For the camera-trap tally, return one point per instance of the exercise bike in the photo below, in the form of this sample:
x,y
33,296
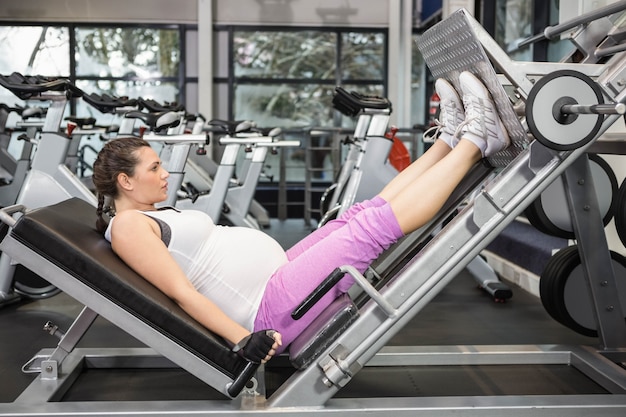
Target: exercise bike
x,y
198,171
224,187
49,180
15,170
366,169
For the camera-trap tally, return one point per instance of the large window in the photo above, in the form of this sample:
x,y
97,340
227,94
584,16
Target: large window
x,y
133,62
121,61
277,77
287,78
35,50
514,23
40,50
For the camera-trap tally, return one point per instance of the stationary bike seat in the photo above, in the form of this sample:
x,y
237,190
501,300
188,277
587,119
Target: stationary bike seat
x,y
106,103
231,127
352,103
154,106
158,121
82,122
29,86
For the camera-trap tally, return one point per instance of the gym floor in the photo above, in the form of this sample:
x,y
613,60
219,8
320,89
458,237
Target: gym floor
x,y
460,315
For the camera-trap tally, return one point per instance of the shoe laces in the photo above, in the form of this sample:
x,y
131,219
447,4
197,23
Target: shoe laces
x,y
431,133
450,114
478,117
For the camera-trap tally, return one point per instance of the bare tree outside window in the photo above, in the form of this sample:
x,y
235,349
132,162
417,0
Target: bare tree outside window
x,y
287,78
127,52
133,62
35,50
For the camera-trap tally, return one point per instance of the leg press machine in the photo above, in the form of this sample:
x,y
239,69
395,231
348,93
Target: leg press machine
x,y
583,100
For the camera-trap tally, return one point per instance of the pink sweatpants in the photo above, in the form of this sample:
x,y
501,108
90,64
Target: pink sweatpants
x,y
357,238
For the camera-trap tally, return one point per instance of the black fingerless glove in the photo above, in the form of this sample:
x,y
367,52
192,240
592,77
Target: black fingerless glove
x,y
255,346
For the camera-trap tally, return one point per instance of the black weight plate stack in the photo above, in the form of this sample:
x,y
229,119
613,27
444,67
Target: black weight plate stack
x,y
542,218
565,294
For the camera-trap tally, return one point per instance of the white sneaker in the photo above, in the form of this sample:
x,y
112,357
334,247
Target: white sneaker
x,y
482,124
451,114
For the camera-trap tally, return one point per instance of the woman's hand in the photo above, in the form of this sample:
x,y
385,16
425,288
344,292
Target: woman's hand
x,y
278,341
259,347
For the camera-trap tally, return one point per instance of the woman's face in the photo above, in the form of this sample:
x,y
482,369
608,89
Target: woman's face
x,y
150,178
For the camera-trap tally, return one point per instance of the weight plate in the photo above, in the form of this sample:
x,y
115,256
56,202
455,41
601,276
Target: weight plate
x,y
563,132
620,213
548,281
550,213
565,293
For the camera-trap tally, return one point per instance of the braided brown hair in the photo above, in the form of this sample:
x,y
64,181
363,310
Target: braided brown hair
x,y
117,156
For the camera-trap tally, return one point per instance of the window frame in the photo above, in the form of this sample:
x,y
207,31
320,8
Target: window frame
x,y
231,80
181,79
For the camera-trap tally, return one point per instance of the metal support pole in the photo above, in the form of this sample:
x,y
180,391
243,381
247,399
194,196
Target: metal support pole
x,y
594,253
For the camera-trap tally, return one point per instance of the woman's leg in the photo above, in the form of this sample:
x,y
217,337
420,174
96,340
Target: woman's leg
x,y
398,184
451,116
321,233
423,198
358,242
372,230
482,135
434,154
361,240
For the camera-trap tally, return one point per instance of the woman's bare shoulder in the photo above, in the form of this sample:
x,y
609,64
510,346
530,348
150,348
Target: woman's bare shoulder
x,y
129,220
128,215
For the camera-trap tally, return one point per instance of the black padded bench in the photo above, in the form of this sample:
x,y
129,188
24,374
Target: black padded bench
x,y
64,235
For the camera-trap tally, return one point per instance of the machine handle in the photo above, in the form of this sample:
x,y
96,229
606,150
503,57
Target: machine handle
x,y
242,379
619,108
551,31
330,281
6,213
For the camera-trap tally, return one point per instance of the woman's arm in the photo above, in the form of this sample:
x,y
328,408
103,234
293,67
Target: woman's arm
x,y
135,239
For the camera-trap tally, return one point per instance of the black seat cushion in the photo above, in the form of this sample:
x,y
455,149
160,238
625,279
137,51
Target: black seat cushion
x,y
65,234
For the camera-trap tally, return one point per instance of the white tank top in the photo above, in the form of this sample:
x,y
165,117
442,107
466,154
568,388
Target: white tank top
x,y
229,265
